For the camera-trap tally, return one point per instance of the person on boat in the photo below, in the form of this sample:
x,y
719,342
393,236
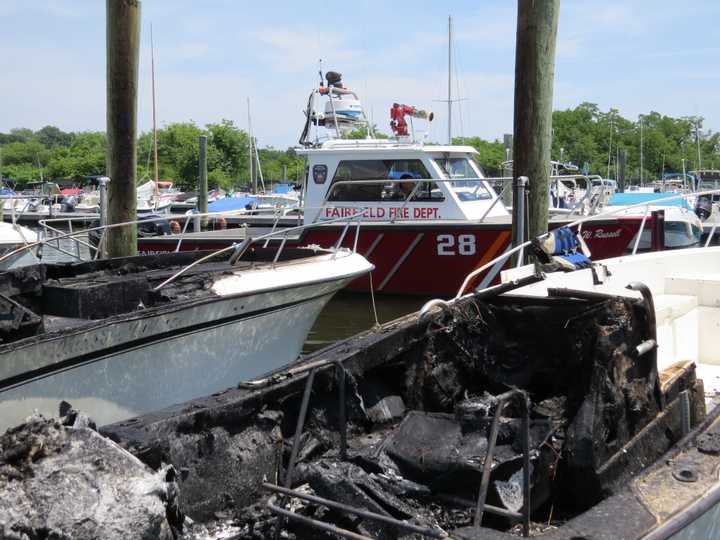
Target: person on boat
x,y
402,190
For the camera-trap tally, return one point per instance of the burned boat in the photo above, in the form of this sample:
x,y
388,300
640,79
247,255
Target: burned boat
x,y
121,337
497,415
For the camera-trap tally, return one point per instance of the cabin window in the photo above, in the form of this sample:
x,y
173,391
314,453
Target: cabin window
x,y
387,175
468,186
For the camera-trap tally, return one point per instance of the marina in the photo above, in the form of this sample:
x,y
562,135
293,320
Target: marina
x,y
389,330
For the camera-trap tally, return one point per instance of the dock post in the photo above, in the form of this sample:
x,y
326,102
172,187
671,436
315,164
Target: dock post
x,y
203,181
102,188
534,73
518,216
123,40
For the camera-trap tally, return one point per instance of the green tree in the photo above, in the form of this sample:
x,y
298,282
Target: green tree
x,y
51,136
490,155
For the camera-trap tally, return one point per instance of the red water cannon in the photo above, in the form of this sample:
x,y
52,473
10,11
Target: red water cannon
x,y
397,118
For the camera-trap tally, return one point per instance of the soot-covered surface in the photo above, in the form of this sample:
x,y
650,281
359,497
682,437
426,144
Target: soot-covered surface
x,y
420,402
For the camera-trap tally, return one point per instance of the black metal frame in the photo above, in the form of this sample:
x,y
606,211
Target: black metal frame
x,y
481,506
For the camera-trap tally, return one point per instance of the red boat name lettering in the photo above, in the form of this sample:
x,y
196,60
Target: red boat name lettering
x,y
379,212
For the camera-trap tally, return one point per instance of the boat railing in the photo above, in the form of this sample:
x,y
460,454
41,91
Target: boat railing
x,y
496,264
51,231
593,203
96,251
240,249
14,216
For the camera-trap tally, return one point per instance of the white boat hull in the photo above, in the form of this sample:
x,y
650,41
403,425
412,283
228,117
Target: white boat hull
x,y
126,366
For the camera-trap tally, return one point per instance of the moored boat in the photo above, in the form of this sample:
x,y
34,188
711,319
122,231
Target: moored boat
x,y
427,207
531,407
120,337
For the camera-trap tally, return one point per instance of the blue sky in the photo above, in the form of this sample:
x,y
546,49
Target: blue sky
x,y
211,55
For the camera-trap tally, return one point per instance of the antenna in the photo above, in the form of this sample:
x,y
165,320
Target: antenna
x,y
449,99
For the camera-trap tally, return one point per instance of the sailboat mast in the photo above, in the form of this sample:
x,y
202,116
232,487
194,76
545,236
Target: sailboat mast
x,y
155,152
610,147
449,93
641,150
697,140
253,177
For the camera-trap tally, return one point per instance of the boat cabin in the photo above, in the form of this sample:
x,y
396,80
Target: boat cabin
x,y
396,181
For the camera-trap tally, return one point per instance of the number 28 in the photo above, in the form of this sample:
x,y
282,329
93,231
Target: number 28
x,y
446,244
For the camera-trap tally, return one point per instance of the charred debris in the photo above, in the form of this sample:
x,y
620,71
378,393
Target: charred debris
x,y
47,298
431,428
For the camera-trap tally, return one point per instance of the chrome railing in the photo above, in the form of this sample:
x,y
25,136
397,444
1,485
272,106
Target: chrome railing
x,y
593,203
241,248
499,261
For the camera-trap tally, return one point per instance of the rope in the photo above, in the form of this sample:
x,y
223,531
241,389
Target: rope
x,y
374,307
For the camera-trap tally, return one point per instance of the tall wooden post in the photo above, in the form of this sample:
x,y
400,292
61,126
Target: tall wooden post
x,y
534,73
123,39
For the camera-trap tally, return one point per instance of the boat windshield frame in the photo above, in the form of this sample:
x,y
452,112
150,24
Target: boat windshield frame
x,y
467,188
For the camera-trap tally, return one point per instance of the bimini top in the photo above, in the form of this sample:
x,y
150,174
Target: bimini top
x,y
638,197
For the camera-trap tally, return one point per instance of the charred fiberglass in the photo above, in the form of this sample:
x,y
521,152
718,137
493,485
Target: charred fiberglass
x,y
399,423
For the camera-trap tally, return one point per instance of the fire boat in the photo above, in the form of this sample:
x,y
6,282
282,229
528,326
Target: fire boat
x,y
430,215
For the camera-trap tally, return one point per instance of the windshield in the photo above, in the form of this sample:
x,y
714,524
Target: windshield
x,y
472,189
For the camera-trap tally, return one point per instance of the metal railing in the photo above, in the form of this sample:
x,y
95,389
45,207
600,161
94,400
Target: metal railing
x,y
501,259
592,203
354,219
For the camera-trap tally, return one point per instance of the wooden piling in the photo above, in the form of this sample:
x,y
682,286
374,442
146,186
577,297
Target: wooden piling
x,y
123,40
534,74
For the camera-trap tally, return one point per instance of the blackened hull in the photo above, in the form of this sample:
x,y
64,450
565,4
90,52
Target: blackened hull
x,y
627,513
428,258
133,365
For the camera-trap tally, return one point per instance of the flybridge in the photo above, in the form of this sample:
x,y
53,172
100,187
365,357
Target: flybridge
x,y
390,180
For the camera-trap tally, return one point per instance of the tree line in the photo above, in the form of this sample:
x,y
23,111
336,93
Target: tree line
x,y
53,154
584,134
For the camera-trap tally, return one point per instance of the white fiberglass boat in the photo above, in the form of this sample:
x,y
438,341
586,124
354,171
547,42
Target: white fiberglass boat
x,y
122,337
12,238
682,227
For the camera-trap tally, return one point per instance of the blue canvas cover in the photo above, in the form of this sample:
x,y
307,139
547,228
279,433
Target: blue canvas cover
x,y
228,204
637,197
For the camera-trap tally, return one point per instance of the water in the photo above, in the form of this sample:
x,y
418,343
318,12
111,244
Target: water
x,y
349,313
